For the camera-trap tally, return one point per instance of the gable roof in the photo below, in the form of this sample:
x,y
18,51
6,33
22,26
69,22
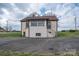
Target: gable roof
x,y
51,18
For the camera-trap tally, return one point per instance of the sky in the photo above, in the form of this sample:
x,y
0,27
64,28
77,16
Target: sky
x,y
14,12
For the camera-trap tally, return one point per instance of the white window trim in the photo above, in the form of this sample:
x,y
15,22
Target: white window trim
x,y
37,23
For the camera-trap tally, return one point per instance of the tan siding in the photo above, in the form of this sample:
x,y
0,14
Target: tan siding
x,y
39,29
24,29
53,27
52,32
43,30
23,25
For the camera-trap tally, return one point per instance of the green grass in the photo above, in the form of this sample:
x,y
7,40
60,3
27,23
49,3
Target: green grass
x,y
10,34
18,34
71,52
60,34
44,53
68,34
14,53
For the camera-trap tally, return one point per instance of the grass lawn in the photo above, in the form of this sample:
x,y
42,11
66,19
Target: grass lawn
x,y
18,34
68,34
60,34
10,34
14,53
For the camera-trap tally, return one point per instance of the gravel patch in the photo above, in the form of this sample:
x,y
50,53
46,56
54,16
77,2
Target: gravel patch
x,y
33,45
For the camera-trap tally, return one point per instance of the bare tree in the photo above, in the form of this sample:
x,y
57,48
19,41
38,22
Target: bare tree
x,y
10,28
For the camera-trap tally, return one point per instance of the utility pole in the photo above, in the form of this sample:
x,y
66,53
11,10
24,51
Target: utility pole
x,y
7,26
51,11
75,23
0,24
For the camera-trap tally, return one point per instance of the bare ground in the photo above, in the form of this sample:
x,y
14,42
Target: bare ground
x,y
37,45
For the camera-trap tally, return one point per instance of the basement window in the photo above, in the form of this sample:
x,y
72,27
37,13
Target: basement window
x,y
38,34
49,32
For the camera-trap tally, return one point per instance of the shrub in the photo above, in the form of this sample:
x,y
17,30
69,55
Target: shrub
x,y
63,31
72,30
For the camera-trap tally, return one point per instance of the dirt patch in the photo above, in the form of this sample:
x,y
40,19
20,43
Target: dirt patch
x,y
37,45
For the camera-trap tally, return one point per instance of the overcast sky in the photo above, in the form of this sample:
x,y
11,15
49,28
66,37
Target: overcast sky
x,y
16,11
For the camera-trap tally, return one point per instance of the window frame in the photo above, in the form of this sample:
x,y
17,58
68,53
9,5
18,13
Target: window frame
x,y
41,23
34,23
38,23
48,24
38,34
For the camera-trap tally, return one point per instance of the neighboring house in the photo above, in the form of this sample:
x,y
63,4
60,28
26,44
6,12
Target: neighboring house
x,y
2,29
39,26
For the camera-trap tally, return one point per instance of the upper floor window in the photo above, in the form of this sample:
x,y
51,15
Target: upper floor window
x,y
33,23
41,23
48,24
37,23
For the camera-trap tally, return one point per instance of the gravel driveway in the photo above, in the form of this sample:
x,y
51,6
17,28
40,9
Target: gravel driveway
x,y
31,45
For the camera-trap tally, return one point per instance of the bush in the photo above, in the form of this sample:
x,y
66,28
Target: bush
x,y
72,30
69,30
63,31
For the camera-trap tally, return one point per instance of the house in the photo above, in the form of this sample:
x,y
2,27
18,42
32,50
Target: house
x,y
2,29
39,26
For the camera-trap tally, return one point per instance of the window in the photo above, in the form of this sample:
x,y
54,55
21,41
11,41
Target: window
x,y
37,23
40,23
48,25
38,34
33,23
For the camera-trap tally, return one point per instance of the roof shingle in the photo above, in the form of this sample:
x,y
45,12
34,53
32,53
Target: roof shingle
x,y
51,18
